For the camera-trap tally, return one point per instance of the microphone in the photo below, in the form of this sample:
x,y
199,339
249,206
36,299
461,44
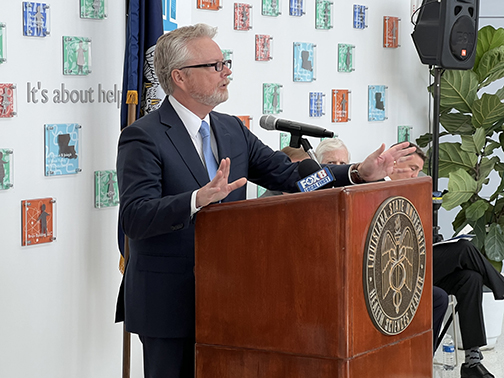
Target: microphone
x,y
269,122
314,177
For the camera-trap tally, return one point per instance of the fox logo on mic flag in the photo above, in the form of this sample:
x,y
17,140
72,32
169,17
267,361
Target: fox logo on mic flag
x,y
315,180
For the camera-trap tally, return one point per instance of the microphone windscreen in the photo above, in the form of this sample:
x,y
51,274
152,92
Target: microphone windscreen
x,y
307,167
267,122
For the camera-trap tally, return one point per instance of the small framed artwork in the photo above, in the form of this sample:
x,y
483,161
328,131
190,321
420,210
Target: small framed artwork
x,y
6,168
106,189
272,98
271,8
346,57
209,4
360,16
242,16
8,100
3,52
323,14
62,145
76,56
304,59
296,8
36,19
284,140
377,96
391,32
404,133
340,105
228,55
246,119
263,47
95,9
38,221
317,104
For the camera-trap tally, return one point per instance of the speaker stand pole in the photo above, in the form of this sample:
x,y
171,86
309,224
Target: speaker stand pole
x,y
436,195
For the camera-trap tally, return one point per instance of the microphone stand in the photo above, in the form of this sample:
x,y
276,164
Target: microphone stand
x,y
436,194
297,141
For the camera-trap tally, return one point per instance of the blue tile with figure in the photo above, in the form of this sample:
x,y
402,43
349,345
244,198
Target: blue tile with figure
x,y
36,19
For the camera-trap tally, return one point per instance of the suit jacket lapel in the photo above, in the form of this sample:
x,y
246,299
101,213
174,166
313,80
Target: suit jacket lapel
x,y
182,142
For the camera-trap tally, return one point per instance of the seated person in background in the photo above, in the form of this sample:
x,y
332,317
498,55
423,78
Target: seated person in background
x,y
295,154
332,151
460,269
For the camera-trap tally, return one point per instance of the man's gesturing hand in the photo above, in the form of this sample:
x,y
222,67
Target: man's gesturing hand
x,y
218,188
381,164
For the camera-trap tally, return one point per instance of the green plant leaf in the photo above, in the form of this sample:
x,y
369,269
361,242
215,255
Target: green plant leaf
x,y
487,111
459,89
486,166
468,144
479,138
500,93
494,243
499,204
488,39
491,146
460,221
457,123
452,158
479,230
491,67
423,140
476,210
499,167
461,187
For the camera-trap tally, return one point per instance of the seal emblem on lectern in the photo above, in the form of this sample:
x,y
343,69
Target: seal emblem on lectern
x,y
394,265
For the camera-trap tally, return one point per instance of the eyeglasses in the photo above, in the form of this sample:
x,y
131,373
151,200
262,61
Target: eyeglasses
x,y
219,66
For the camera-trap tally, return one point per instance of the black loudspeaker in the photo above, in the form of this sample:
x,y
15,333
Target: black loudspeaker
x,y
446,33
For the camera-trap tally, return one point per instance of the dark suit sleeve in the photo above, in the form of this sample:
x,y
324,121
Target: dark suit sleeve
x,y
146,210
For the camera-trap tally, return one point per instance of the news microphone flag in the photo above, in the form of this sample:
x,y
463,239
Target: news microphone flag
x,y
315,180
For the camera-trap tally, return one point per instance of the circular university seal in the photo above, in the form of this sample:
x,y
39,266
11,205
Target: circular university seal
x,y
394,265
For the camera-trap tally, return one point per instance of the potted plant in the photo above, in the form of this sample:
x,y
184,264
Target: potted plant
x,y
472,162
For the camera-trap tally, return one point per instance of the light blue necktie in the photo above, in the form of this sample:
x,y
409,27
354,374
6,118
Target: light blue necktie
x,y
210,162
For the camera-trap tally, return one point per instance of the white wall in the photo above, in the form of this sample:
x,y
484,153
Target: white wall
x,y
58,299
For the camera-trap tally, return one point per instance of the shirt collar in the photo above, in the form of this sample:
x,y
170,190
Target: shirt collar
x,y
190,120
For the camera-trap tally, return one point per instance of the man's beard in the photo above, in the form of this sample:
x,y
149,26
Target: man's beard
x,y
214,99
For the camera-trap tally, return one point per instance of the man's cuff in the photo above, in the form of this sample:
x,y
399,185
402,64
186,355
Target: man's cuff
x,y
353,174
194,209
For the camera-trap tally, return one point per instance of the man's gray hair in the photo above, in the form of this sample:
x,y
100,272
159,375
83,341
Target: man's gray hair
x,y
330,144
172,53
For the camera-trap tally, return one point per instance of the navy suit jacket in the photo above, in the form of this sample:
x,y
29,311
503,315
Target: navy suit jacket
x,y
158,168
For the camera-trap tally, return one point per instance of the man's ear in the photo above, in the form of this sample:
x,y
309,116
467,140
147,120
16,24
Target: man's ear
x,y
177,77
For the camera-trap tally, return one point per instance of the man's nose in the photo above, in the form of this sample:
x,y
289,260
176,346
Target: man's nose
x,y
227,71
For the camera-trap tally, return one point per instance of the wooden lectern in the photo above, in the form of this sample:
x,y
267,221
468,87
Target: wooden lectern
x,y
280,293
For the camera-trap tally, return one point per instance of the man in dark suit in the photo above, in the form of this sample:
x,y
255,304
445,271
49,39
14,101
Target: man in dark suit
x,y
167,171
